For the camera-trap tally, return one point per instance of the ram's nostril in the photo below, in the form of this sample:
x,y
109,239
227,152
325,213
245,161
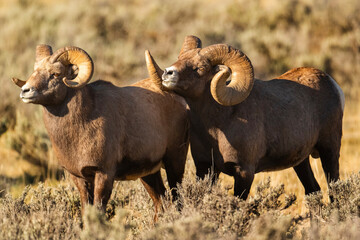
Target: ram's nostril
x,y
170,74
26,90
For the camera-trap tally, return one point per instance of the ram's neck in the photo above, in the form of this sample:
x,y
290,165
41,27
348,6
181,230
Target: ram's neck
x,y
206,111
72,114
77,104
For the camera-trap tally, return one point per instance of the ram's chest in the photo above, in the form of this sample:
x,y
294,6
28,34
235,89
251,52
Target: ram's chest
x,y
76,151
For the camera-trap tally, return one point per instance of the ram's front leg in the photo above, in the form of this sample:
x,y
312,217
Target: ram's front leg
x,y
86,190
243,179
239,164
102,190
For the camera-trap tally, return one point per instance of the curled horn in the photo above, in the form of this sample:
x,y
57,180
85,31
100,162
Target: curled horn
x,y
78,57
190,42
154,70
242,77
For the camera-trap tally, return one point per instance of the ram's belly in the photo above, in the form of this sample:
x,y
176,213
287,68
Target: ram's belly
x,y
143,173
282,161
132,170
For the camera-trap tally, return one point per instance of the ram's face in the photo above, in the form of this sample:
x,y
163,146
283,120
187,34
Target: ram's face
x,y
68,67
198,70
189,75
45,85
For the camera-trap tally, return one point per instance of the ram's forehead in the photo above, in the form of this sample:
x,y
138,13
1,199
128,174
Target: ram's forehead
x,y
41,65
57,67
191,54
193,57
46,65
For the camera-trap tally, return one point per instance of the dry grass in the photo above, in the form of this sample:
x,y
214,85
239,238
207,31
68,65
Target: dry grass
x,y
276,35
209,212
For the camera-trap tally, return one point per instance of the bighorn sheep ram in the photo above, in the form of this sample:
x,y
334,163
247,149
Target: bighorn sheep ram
x,y
249,126
101,133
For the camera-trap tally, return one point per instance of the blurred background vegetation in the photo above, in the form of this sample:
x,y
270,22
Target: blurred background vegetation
x,y
276,35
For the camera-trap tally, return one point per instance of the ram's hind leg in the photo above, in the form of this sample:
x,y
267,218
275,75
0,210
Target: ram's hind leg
x,y
329,151
330,163
155,187
328,147
306,176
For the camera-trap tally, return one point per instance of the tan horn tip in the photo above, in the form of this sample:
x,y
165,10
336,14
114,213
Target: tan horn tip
x,y
150,62
148,59
147,54
155,72
18,82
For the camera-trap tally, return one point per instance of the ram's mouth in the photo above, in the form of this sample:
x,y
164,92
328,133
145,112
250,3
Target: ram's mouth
x,y
28,97
28,100
169,83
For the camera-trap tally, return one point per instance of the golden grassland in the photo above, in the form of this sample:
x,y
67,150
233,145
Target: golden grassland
x,y
276,35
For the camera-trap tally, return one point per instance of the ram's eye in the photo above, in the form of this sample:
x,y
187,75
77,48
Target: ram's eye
x,y
54,75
